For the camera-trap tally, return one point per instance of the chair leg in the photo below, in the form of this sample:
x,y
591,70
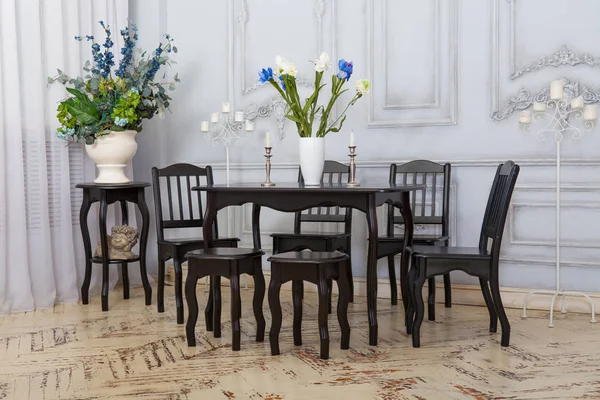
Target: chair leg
x,y
324,299
192,302
217,307
342,308
431,299
505,341
447,291
125,277
410,302
178,289
236,311
209,310
419,310
275,306
485,289
297,302
257,301
330,291
160,292
393,284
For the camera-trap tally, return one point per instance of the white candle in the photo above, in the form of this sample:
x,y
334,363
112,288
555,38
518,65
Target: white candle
x,y
539,107
556,89
214,117
249,125
352,138
525,117
268,139
239,116
226,107
577,103
204,126
590,112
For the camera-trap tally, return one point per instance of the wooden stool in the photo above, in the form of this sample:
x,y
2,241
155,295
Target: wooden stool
x,y
230,263
317,268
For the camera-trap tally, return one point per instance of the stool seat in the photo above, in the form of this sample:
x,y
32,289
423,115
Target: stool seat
x,y
309,257
227,253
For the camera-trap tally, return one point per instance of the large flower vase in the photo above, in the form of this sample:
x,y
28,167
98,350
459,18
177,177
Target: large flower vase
x,y
112,153
312,159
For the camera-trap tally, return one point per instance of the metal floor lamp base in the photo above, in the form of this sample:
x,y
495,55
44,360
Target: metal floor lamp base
x,y
563,309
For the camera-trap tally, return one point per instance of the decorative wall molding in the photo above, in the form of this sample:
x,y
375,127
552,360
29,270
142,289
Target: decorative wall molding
x,y
562,57
525,98
453,78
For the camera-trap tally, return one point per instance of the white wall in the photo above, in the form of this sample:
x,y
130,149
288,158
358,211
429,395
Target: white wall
x,y
439,69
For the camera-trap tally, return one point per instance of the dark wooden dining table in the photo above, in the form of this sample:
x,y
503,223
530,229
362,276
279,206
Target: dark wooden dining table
x,y
292,197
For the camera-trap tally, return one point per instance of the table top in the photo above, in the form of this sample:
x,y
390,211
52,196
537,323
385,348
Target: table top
x,y
367,187
128,185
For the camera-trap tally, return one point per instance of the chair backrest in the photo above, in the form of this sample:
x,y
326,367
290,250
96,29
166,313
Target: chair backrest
x,y
333,172
430,206
183,205
496,210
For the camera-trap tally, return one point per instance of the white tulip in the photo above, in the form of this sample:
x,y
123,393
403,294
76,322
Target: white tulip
x,y
322,63
363,86
284,67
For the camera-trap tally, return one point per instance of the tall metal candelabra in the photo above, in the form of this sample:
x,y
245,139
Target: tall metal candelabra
x,y
228,129
559,117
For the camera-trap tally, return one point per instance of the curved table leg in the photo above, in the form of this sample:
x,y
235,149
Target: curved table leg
x,y
104,246
372,270
124,271
256,226
409,227
143,243
207,234
87,245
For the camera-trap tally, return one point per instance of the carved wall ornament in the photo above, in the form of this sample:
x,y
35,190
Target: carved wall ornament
x,y
564,56
121,240
524,98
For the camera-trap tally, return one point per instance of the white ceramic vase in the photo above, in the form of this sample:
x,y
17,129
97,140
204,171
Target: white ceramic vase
x,y
312,159
112,153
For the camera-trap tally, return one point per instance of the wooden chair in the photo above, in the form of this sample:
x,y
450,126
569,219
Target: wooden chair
x,y
431,211
481,261
333,172
184,208
229,263
318,268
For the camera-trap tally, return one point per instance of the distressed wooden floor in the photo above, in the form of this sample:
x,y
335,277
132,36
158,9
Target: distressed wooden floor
x,y
78,352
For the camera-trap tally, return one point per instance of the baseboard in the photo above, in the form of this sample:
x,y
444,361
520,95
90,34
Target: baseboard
x,y
461,294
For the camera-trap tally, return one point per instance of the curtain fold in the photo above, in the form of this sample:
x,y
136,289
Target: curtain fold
x,y
41,250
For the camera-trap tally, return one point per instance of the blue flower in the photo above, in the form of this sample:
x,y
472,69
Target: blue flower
x,y
265,75
126,51
282,82
121,121
346,68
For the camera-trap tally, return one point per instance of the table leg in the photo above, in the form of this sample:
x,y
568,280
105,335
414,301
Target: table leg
x,y
124,272
105,254
409,227
141,201
256,226
207,234
372,270
87,246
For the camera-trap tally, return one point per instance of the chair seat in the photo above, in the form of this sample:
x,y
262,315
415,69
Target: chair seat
x,y
308,257
311,235
467,253
224,253
185,241
417,239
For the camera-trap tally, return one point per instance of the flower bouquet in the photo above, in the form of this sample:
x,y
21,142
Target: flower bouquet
x,y
311,118
106,107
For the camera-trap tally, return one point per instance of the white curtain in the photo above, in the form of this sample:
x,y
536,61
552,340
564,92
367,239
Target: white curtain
x,y
41,250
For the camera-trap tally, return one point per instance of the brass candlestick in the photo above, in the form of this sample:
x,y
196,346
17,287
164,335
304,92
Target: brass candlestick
x,y
268,182
352,182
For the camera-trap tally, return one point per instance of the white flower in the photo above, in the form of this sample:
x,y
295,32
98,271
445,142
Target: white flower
x,y
322,63
284,67
363,86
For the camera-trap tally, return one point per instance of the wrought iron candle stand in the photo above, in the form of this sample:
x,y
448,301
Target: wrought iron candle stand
x,y
558,118
352,154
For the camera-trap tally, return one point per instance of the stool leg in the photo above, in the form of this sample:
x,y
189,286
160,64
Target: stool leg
x,y
431,299
323,311
275,306
208,311
257,301
178,289
160,295
342,309
192,302
236,310
330,291
217,307
297,302
125,277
